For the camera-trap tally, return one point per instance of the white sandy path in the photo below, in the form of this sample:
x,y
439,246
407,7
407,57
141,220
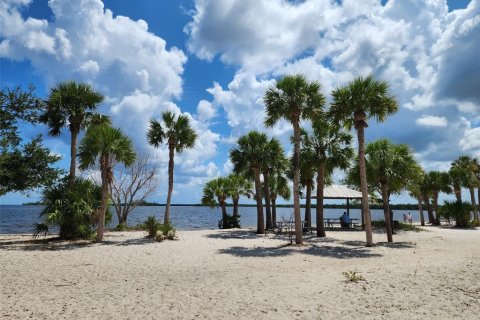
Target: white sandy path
x,y
239,275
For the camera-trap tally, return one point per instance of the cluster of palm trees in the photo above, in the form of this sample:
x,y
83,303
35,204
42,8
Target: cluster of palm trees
x,y
425,187
73,105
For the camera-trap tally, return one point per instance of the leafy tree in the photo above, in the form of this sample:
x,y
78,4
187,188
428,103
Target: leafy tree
x,y
460,211
70,104
107,146
178,134
331,149
353,105
293,99
248,158
464,172
436,182
28,166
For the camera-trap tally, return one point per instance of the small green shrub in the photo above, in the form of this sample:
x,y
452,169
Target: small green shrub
x,y
458,211
353,276
229,222
152,226
399,226
158,231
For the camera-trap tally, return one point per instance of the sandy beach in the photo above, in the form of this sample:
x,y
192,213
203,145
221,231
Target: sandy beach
x,y
213,274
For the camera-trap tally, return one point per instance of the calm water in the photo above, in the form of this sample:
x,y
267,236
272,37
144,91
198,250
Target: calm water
x,y
20,219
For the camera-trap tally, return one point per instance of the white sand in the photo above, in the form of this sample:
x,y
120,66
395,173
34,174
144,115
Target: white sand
x,y
239,275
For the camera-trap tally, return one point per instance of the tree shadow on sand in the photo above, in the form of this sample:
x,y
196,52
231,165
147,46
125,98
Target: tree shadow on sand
x,y
234,234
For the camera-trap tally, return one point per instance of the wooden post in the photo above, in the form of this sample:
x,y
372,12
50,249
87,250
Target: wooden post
x,y
348,206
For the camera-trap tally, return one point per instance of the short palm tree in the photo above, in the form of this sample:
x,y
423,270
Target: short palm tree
x,y
353,105
178,134
248,158
70,104
108,146
293,99
468,179
436,182
215,193
239,186
415,189
389,167
279,187
331,147
274,161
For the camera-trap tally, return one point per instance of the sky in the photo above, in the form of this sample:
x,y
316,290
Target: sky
x,y
213,61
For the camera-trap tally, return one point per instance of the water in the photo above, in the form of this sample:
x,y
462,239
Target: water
x,y
20,219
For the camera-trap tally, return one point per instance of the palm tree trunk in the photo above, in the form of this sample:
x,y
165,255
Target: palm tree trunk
x,y
296,179
274,211
224,213
171,154
266,188
363,184
478,197
319,210
258,196
420,210
386,212
474,206
426,199
308,205
435,208
235,207
73,158
458,194
104,198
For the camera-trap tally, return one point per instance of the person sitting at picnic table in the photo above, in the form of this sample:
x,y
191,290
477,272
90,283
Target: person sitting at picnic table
x,y
345,221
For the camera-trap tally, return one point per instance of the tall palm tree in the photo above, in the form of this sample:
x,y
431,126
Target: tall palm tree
x,y
278,187
436,182
70,104
248,158
469,180
178,134
331,149
389,167
293,99
239,186
353,105
215,193
274,159
307,175
109,146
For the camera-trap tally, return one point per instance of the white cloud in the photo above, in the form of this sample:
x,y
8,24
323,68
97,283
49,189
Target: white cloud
x,y
432,121
205,110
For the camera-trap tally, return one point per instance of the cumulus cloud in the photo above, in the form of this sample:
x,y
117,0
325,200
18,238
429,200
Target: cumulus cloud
x,y
134,68
432,121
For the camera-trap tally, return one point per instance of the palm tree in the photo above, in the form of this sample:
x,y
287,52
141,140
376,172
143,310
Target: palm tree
x,y
217,189
436,182
70,104
353,105
415,189
109,146
177,133
331,149
238,186
294,98
468,179
278,187
389,167
307,175
274,159
248,158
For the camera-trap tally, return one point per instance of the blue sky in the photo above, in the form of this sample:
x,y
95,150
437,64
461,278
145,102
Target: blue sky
x,y
213,60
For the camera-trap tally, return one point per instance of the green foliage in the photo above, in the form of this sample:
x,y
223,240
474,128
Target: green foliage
x,y
158,231
380,224
353,276
229,222
458,211
74,210
28,166
175,131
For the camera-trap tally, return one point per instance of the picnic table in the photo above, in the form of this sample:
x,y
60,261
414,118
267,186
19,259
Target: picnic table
x,y
331,222
283,226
